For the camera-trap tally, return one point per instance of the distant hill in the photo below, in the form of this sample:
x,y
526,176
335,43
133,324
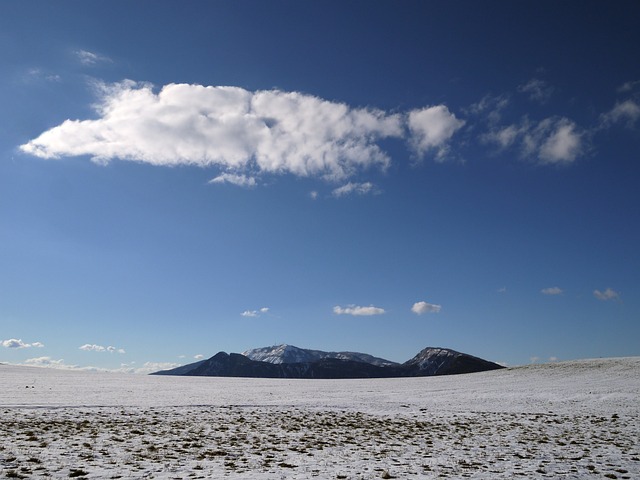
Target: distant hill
x,y
286,361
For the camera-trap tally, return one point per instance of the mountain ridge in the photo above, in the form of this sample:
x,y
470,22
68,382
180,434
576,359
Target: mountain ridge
x,y
284,363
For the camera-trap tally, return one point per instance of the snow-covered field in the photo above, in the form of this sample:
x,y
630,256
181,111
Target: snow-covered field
x,y
566,420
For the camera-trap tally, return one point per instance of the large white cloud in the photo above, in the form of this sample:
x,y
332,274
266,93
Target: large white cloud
x,y
431,129
230,127
358,311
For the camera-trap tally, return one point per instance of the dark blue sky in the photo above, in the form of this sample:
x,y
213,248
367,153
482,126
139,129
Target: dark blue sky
x,y
383,176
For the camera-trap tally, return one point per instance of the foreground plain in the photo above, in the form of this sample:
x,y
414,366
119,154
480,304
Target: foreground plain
x,y
565,420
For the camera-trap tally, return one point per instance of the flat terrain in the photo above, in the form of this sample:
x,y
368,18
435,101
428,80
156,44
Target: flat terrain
x,y
566,420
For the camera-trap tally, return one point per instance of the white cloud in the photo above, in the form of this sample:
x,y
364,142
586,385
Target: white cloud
x,y
229,127
37,75
47,362
99,348
537,90
420,308
562,144
502,290
358,311
255,313
351,187
18,343
552,141
627,112
504,137
90,58
551,291
607,294
198,356
313,195
431,129
491,106
235,179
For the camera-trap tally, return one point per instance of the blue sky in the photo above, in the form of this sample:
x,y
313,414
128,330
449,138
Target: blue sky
x,y
180,178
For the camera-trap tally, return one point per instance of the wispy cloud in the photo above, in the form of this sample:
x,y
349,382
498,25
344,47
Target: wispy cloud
x,y
198,356
537,90
235,179
358,311
420,308
354,188
255,313
18,343
607,294
99,348
91,58
626,112
629,86
38,75
552,141
552,291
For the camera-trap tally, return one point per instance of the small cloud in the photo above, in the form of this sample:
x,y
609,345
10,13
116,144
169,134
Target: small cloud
x,y
90,58
560,144
502,290
18,343
358,311
552,291
534,359
420,308
198,356
87,347
628,86
255,313
538,90
627,112
608,294
358,188
491,107
431,129
234,179
553,359
38,75
313,195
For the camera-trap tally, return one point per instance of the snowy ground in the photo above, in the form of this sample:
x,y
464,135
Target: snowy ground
x,y
565,420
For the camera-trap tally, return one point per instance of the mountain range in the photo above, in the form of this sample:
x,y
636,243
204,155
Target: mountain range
x,y
287,361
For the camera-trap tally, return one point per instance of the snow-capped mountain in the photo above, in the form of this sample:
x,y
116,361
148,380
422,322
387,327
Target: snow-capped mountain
x,y
286,361
279,354
444,361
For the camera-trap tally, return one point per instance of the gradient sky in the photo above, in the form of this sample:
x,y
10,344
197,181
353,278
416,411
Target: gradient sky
x,y
180,178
